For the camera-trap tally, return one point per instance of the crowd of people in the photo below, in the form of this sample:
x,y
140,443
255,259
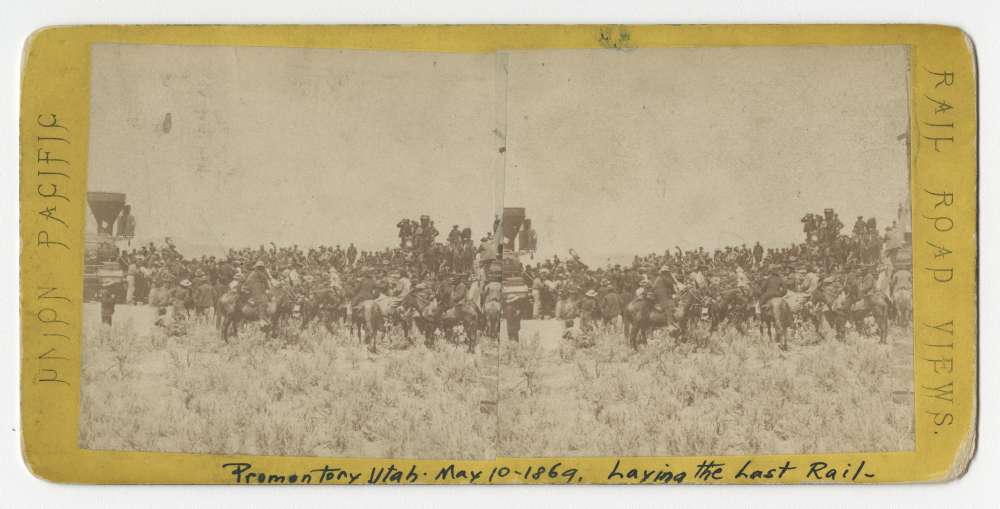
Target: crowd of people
x,y
160,276
860,262
457,271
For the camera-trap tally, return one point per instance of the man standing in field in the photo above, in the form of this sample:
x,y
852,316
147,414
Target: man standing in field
x,y
611,305
352,254
512,313
107,298
257,284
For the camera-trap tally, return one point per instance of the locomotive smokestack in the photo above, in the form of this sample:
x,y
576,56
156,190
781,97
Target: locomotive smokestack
x,y
105,207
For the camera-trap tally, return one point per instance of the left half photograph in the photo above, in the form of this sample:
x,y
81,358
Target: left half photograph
x,y
287,251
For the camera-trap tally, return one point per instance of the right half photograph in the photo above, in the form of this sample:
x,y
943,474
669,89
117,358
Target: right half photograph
x,y
706,251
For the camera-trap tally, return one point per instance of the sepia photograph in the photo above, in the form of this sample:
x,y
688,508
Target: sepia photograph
x,y
532,253
285,252
712,247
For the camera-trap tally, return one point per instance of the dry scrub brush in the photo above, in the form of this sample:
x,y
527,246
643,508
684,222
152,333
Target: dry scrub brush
x,y
740,395
312,394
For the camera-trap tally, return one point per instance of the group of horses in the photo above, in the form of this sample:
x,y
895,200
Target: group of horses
x,y
830,306
370,320
777,316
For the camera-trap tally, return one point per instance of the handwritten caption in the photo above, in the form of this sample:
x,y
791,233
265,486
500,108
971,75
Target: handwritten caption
x,y
708,470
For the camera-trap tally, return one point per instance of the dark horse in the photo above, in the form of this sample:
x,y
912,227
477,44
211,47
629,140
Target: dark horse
x,y
641,316
325,306
872,304
468,316
236,307
432,318
730,306
368,322
280,306
686,310
776,315
493,310
231,310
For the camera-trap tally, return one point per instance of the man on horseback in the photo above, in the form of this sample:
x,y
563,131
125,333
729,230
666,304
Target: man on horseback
x,y
475,292
459,292
365,289
663,289
774,285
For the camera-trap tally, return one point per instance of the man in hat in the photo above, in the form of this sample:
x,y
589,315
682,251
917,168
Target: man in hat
x,y
454,236
459,291
758,254
512,314
352,254
611,304
810,281
774,285
257,283
859,227
403,285
106,295
663,288
181,299
537,292
588,308
405,229
365,288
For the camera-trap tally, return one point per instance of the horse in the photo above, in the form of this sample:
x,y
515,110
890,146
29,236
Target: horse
x,y
567,307
731,306
204,297
426,319
493,311
830,302
686,306
231,310
468,316
368,322
325,305
902,302
776,315
395,313
641,316
876,305
279,308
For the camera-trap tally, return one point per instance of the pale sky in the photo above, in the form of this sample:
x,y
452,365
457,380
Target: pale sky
x,y
616,152
307,146
611,152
